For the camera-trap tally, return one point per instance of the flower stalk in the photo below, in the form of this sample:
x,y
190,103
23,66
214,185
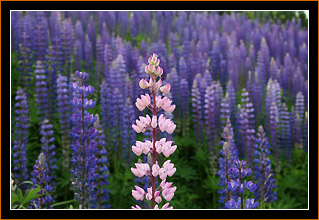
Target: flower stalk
x,y
154,124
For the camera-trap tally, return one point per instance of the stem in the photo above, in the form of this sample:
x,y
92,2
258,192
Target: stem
x,y
154,151
41,202
83,156
241,194
227,179
262,173
100,174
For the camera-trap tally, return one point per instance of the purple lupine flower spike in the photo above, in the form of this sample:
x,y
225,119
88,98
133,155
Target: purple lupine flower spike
x,y
40,36
48,148
237,186
305,132
299,105
197,112
228,154
247,125
78,55
88,54
185,108
264,175
20,142
274,133
40,177
64,115
285,130
99,68
102,192
41,91
83,134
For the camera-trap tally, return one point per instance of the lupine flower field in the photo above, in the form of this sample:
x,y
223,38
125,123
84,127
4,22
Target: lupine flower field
x,y
158,110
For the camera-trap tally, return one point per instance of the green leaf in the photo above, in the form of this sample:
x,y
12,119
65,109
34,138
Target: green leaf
x,y
14,197
20,195
31,194
62,203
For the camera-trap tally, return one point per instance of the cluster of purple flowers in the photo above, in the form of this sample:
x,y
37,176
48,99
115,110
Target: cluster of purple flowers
x,y
88,162
237,186
64,115
20,141
48,148
83,147
264,175
40,177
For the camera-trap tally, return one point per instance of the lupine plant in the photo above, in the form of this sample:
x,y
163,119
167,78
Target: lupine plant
x,y
102,171
155,124
41,90
263,173
64,108
40,177
228,154
49,149
19,149
237,186
83,161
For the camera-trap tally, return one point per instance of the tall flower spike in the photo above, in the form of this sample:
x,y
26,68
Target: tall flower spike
x,y
154,124
237,186
264,175
20,140
41,91
300,106
41,178
305,132
83,145
247,127
48,148
228,154
274,134
285,130
197,112
64,116
185,108
102,193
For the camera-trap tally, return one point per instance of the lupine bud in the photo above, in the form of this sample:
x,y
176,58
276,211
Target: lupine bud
x,y
155,169
151,82
158,85
143,84
154,121
158,72
158,199
165,89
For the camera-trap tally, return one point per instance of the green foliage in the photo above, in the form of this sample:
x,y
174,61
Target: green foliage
x,y
292,182
22,201
121,185
274,16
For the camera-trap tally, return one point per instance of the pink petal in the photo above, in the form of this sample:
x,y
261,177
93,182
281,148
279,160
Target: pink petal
x,y
171,172
136,128
137,150
158,199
